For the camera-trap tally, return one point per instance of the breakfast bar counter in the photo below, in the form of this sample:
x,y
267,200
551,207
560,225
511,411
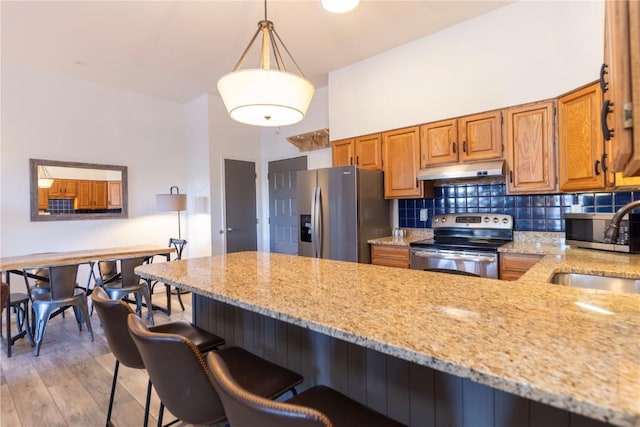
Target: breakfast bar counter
x,y
528,338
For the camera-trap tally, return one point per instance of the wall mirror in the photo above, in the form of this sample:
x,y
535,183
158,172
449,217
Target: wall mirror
x,y
64,191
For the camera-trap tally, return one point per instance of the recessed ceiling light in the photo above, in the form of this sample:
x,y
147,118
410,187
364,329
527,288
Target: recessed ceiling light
x,y
339,6
79,62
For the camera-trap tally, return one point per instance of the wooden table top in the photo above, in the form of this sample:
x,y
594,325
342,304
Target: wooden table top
x,y
79,257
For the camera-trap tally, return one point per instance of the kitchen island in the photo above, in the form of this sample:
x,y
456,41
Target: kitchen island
x,y
504,347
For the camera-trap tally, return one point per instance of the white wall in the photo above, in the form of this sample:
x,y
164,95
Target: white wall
x,y
523,52
46,116
198,178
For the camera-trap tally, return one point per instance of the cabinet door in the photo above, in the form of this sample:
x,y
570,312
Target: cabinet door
x,y
83,195
70,187
99,194
114,194
580,144
481,136
391,256
369,151
43,198
438,143
531,158
401,155
342,152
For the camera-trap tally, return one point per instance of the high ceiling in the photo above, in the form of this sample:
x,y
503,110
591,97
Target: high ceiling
x,y
179,49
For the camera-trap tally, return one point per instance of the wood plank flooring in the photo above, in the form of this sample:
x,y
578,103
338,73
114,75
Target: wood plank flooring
x,y
69,383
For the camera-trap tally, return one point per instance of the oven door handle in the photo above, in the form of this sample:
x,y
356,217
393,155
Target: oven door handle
x,y
454,257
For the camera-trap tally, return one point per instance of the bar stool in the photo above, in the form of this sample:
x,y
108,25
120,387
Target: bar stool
x,y
18,303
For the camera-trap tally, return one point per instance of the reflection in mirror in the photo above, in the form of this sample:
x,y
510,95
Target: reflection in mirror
x,y
71,190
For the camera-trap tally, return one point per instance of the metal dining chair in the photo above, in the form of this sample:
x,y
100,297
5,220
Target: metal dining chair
x,y
61,293
120,284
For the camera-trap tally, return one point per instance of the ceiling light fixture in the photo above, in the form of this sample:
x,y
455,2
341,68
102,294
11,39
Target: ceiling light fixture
x,y
340,6
44,178
264,96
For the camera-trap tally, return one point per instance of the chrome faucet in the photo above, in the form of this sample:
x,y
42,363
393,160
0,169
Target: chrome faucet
x,y
611,233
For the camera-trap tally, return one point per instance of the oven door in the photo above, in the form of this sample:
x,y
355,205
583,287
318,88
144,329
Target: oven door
x,y
478,263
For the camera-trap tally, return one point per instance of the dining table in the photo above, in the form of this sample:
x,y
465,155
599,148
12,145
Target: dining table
x,y
21,264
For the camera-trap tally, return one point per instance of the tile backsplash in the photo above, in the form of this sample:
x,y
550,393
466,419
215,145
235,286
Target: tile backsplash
x,y
539,212
60,206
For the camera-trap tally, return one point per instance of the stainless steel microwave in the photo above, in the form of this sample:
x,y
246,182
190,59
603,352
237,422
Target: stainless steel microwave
x,y
586,230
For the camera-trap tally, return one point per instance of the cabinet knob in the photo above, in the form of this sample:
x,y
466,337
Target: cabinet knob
x,y
453,147
464,146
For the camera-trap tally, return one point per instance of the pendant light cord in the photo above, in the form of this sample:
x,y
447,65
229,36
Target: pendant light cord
x,y
265,10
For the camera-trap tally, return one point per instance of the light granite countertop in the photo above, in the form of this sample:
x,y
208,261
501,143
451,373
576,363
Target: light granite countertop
x,y
526,337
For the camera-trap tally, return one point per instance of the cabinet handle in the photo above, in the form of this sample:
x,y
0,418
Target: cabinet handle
x,y
597,167
604,162
464,146
606,110
453,147
350,161
511,177
357,160
603,72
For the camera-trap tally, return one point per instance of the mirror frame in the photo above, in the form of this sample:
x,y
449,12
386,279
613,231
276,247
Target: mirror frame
x,y
33,191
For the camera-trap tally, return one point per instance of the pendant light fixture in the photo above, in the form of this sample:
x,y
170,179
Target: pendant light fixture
x,y
266,96
44,178
340,6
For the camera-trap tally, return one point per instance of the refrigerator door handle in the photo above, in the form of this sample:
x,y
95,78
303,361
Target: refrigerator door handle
x,y
318,227
313,222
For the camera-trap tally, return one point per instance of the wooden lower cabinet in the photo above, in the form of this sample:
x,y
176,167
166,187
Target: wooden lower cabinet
x,y
43,199
512,266
391,256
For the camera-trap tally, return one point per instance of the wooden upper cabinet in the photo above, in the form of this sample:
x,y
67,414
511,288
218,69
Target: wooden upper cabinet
x,y
368,151
620,82
114,194
531,158
342,152
580,145
401,156
480,136
363,151
92,195
439,143
63,188
43,198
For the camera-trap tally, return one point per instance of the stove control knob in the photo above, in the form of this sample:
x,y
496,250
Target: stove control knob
x,y
444,219
486,219
495,220
436,220
505,220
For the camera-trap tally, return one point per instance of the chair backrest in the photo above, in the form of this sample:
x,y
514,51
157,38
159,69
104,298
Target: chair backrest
x,y
113,315
179,374
245,409
108,270
62,280
127,266
179,245
5,291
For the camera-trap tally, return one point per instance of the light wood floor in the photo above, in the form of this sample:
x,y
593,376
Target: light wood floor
x,y
69,383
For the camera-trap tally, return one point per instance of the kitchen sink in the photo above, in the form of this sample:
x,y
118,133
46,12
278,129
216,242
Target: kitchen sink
x,y
607,283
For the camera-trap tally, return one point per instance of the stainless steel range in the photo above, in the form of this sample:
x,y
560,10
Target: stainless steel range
x,y
463,244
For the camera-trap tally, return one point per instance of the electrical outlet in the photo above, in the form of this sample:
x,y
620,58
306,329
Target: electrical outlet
x,y
576,208
423,215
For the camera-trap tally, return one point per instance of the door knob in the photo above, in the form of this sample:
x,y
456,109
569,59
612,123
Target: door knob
x,y
229,229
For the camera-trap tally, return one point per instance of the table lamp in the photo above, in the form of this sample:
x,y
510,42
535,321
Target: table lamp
x,y
172,202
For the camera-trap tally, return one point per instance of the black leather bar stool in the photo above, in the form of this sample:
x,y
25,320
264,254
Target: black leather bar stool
x,y
175,365
113,315
318,406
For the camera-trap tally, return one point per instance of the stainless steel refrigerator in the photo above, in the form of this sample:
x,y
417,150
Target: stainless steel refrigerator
x,y
339,210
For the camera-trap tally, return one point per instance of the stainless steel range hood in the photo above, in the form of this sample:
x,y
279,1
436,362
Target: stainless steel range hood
x,y
462,170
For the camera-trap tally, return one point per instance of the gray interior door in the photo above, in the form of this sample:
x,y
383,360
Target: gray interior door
x,y
240,205
283,212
